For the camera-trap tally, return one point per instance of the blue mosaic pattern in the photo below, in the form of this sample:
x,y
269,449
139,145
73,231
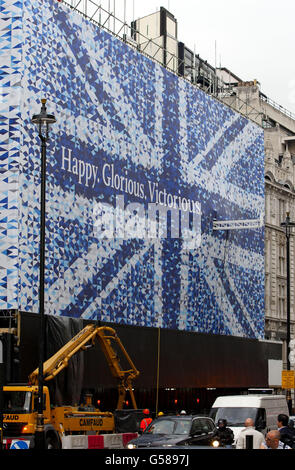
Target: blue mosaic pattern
x,y
117,107
10,135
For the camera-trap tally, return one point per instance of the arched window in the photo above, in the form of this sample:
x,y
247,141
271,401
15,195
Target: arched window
x,y
269,177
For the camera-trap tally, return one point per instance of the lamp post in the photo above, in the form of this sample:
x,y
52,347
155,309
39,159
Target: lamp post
x,y
288,225
43,122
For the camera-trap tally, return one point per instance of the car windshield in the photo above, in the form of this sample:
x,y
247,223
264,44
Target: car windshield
x,y
234,416
17,401
169,426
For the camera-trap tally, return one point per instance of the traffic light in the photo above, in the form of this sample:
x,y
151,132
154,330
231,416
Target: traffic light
x,y
11,355
15,356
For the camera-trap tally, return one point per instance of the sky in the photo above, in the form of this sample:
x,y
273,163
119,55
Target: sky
x,y
254,39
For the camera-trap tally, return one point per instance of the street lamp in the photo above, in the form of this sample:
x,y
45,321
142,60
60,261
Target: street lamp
x,y
43,122
288,225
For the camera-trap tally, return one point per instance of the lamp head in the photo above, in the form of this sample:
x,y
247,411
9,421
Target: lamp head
x,y
288,224
43,120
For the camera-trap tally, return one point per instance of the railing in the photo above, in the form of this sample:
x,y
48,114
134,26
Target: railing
x,y
277,106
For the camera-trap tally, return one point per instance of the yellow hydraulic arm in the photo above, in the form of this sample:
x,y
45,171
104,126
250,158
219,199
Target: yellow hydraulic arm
x,y
83,340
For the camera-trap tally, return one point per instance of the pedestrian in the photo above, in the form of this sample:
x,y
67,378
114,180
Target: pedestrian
x,y
291,424
146,421
287,434
292,428
249,430
224,434
272,441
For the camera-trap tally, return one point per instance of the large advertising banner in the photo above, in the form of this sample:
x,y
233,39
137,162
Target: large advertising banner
x,y
139,165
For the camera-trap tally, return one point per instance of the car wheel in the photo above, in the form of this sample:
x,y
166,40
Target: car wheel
x,y
51,443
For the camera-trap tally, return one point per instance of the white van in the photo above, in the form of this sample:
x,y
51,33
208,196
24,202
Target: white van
x,y
263,409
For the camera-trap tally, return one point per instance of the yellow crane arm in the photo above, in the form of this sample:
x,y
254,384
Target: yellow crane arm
x,y
106,336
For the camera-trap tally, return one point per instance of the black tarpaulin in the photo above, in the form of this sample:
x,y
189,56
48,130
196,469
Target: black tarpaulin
x,y
66,388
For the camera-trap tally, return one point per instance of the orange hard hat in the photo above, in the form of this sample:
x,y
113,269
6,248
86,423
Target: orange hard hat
x,y
146,411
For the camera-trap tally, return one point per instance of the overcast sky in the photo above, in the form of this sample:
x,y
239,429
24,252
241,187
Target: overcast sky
x,y
252,38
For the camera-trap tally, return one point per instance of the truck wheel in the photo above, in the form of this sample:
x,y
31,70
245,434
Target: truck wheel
x,y
51,443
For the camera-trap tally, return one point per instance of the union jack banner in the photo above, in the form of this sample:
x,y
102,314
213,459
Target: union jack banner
x,y
140,163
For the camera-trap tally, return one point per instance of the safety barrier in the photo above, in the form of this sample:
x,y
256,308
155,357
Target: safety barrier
x,y
101,441
75,442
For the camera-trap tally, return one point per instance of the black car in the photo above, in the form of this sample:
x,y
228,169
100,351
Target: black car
x,y
176,431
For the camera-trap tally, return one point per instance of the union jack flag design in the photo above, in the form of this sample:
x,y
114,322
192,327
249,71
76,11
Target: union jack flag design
x,y
130,136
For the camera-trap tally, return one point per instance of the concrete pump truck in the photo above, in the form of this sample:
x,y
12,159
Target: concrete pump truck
x,y
20,401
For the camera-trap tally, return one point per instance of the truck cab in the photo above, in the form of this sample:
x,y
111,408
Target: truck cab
x,y
20,414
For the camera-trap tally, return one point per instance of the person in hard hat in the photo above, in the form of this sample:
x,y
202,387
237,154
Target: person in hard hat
x,y
183,412
160,414
146,421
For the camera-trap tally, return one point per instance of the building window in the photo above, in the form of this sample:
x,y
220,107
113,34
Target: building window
x,y
282,260
282,301
267,254
282,210
267,294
